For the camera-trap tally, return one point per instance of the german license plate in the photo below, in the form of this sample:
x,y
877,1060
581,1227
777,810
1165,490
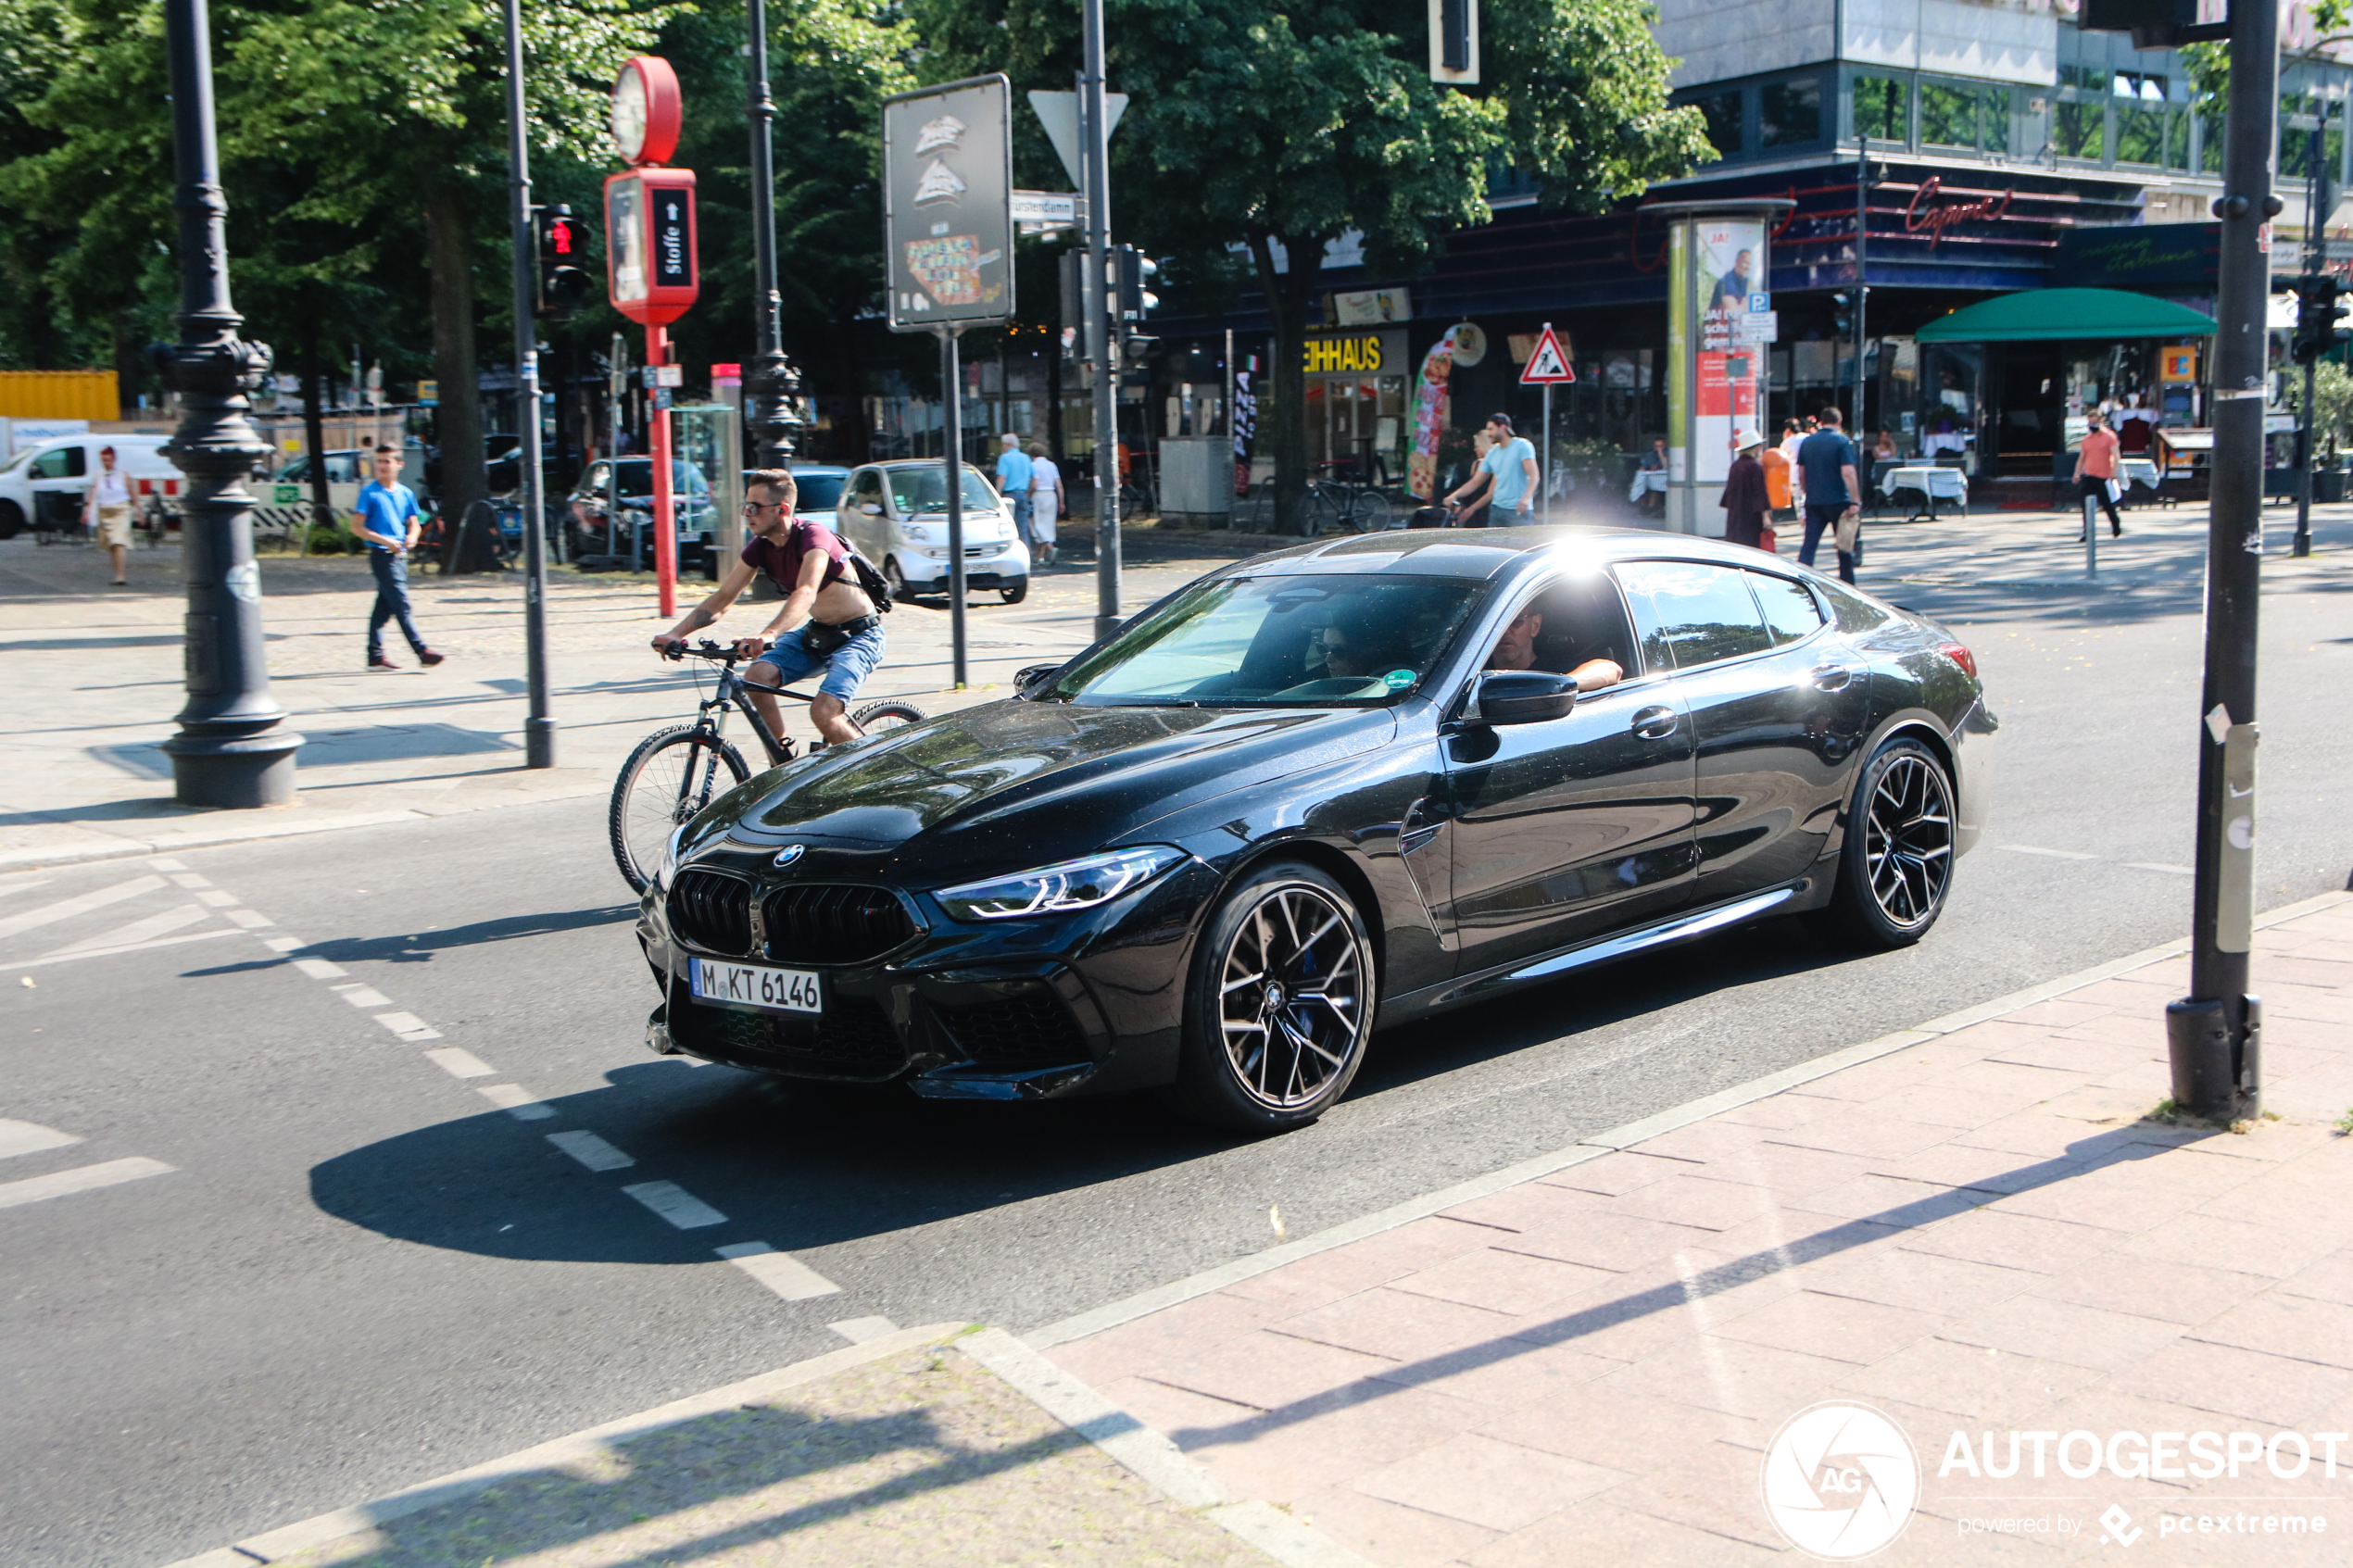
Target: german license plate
x,y
753,985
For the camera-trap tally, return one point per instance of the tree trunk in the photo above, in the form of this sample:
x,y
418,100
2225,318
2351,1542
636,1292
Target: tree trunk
x,y
314,426
461,481
1287,297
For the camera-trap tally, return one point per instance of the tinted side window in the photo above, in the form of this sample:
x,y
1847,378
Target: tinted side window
x,y
1854,612
342,468
1789,611
1688,615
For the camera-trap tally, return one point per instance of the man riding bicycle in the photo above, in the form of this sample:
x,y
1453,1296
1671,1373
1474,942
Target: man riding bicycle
x,y
826,623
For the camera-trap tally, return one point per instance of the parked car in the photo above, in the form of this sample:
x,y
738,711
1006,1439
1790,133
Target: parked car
x,y
1290,802
897,516
817,489
42,485
347,469
596,501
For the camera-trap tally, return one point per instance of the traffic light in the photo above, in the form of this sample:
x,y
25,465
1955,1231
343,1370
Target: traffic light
x,y
2316,328
561,241
1129,267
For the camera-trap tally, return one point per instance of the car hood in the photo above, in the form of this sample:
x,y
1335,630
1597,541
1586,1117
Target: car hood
x,y
1014,784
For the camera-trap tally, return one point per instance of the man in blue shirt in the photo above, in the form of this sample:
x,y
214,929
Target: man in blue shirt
x,y
1833,495
386,519
1508,474
1014,474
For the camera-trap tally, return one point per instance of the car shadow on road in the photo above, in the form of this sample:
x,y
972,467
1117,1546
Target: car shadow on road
x,y
803,1166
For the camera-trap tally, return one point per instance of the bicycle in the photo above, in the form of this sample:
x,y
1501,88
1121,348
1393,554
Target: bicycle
x,y
674,773
1335,506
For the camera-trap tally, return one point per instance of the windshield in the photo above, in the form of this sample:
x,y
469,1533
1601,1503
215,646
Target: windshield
x,y
1280,641
818,492
921,490
637,478
13,464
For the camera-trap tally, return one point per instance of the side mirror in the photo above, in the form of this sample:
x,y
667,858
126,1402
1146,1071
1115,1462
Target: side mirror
x,y
1029,675
871,510
1522,696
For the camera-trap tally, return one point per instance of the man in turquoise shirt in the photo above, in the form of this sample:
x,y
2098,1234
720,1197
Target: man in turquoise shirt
x,y
1507,472
1014,472
386,519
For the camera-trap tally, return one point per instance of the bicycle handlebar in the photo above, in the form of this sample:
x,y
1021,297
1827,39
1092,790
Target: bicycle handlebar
x,y
725,654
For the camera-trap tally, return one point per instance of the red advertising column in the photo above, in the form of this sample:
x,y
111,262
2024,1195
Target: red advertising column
x,y
652,265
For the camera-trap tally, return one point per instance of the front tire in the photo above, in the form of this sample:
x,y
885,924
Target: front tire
x,y
1280,1003
896,581
1896,867
887,715
11,519
1016,593
672,775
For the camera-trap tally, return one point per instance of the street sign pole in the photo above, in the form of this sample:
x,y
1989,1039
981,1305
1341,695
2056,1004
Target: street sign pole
x,y
539,724
2315,263
1544,463
951,462
1547,367
1103,340
2215,1034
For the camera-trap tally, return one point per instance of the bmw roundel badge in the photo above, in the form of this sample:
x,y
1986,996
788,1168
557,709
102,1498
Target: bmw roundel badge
x,y
788,854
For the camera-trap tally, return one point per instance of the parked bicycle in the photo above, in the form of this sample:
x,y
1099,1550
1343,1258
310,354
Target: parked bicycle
x,y
1335,506
675,772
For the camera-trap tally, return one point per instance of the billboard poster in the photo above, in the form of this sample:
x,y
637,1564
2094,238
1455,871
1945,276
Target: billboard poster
x,y
947,227
1719,324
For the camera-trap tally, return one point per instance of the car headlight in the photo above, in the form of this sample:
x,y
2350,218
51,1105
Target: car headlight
x,y
1059,889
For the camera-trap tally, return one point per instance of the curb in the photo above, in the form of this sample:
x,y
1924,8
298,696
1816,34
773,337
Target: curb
x,y
1594,1146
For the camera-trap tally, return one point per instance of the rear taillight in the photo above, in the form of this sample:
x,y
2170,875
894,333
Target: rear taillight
x,y
1962,657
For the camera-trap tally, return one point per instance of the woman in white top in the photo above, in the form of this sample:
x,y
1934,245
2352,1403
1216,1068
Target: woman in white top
x,y
107,513
1046,500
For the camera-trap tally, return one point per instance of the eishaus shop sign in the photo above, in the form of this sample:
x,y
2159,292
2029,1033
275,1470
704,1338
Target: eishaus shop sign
x,y
1326,356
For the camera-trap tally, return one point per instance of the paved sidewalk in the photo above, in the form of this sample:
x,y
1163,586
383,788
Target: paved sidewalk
x,y
96,679
1977,1230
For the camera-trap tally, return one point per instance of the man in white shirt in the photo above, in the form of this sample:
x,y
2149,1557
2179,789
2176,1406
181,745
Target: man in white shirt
x,y
1046,502
107,511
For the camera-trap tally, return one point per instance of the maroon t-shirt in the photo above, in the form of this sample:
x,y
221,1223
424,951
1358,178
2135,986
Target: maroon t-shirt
x,y
782,562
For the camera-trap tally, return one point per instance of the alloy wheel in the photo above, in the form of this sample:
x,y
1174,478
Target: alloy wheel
x,y
1907,840
1291,997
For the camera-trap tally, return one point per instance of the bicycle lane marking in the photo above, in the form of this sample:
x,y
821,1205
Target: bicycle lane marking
x,y
779,1272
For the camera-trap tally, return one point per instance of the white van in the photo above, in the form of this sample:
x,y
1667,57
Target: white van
x,y
44,484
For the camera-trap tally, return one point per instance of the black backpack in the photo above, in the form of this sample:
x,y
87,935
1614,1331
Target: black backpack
x,y
877,587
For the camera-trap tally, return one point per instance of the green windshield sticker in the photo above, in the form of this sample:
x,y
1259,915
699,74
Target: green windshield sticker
x,y
1397,680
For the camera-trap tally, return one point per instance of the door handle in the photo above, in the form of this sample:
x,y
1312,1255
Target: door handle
x,y
1654,724
1832,677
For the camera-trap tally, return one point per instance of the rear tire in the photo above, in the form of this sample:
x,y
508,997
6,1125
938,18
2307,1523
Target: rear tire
x,y
1896,867
670,777
886,715
1279,1004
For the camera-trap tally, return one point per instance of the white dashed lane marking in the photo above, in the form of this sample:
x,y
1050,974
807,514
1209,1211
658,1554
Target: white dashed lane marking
x,y
859,1330
83,1178
31,1137
780,1271
676,1205
459,1063
252,920
516,1101
66,909
319,969
214,897
363,996
591,1151
409,1026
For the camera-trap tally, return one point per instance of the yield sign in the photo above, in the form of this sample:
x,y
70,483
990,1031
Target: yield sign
x,y
1548,364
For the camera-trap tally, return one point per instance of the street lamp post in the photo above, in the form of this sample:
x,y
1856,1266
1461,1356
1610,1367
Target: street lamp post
x,y
773,381
230,750
2215,1034
539,723
1101,337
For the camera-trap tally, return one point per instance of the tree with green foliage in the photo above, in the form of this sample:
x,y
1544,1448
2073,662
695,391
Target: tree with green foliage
x,y
1280,128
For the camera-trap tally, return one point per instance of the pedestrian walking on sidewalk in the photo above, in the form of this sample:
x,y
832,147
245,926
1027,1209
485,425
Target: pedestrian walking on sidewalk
x,y
107,513
2095,470
1045,501
1014,475
1826,461
1744,500
386,519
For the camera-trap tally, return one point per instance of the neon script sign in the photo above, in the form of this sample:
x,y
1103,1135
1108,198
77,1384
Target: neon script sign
x,y
1922,217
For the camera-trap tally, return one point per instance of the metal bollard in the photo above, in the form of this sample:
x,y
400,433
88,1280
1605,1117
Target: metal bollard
x,y
2090,536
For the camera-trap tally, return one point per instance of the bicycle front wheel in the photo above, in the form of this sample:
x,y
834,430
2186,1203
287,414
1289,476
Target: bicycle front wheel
x,y
1370,514
672,775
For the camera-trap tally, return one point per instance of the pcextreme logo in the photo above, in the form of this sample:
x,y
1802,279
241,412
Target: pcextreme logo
x,y
1841,1481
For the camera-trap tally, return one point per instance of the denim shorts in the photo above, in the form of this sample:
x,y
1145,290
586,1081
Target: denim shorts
x,y
846,668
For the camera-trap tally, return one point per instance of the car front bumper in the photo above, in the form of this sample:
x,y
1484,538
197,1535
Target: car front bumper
x,y
1087,1003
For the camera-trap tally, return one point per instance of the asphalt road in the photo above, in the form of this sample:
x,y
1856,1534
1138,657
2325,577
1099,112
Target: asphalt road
x,y
359,1271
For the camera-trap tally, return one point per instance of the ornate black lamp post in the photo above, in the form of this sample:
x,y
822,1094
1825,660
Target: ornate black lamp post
x,y
230,750
773,381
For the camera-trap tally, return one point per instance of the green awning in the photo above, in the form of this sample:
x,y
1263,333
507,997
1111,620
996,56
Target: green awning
x,y
2046,315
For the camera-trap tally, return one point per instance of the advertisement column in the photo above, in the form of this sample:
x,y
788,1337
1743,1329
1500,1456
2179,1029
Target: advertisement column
x,y
1719,323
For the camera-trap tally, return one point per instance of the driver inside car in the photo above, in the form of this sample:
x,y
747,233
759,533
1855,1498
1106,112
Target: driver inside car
x,y
1354,651
1516,649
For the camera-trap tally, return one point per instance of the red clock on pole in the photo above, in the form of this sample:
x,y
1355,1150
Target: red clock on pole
x,y
651,264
